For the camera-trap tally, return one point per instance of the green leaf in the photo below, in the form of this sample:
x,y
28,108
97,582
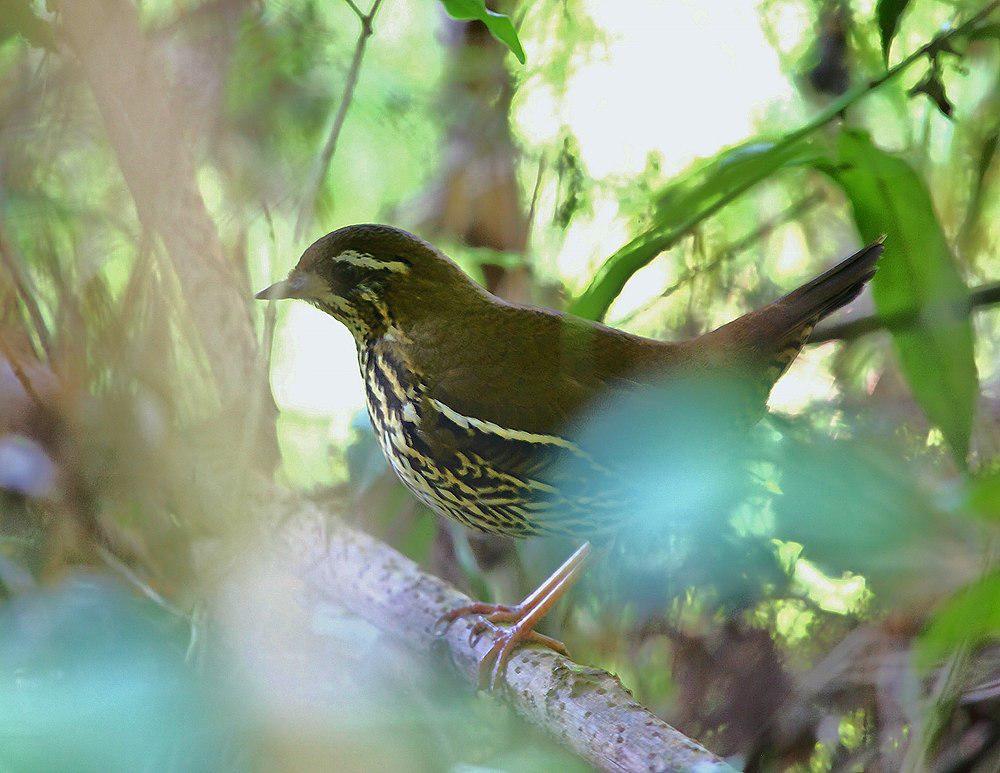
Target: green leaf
x,y
972,615
888,13
917,283
683,204
734,168
17,17
984,496
498,24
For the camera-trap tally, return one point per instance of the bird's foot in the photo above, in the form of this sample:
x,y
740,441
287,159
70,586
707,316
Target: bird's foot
x,y
520,619
505,639
503,613
505,642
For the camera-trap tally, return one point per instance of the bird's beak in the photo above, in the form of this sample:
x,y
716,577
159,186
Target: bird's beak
x,y
273,293
296,286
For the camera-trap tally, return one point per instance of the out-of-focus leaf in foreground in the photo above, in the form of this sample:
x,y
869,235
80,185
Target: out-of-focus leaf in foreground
x,y
673,448
984,496
918,283
498,24
859,507
93,679
675,455
682,205
972,616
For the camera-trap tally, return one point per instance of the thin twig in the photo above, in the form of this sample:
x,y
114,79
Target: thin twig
x,y
133,578
979,298
19,373
270,311
319,174
535,191
25,290
791,213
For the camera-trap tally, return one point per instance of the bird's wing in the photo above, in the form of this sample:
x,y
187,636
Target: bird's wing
x,y
539,371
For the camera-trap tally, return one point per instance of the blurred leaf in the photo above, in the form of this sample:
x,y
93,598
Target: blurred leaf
x,y
984,496
572,179
980,186
857,508
94,679
985,32
498,24
972,615
17,17
917,278
888,13
25,467
684,204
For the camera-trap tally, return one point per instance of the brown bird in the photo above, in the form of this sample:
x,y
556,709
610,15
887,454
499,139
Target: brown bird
x,y
473,399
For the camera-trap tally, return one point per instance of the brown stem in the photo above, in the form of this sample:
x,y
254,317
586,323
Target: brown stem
x,y
979,297
28,295
329,148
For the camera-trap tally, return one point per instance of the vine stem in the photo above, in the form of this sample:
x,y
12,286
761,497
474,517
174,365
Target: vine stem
x,y
616,271
308,206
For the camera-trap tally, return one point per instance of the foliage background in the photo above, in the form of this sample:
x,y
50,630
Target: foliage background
x,y
653,163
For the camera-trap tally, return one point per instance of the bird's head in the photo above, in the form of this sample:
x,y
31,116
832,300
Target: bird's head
x,y
367,276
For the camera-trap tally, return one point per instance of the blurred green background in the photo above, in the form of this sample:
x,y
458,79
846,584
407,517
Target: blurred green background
x,y
664,165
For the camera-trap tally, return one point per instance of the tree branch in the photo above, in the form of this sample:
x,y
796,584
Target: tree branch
x,y
586,709
848,330
308,205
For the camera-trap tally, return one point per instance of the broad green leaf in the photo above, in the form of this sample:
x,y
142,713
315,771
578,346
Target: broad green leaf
x,y
732,169
972,615
917,284
498,24
682,205
888,13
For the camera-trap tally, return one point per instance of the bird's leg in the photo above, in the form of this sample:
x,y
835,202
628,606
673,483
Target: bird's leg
x,y
522,617
506,613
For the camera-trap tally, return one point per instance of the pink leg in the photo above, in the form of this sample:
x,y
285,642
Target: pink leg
x,y
523,618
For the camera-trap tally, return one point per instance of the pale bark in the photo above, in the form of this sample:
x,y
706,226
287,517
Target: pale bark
x,y
586,709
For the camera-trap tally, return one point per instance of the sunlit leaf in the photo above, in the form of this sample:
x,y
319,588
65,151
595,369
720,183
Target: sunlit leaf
x,y
889,13
498,24
972,615
918,283
681,206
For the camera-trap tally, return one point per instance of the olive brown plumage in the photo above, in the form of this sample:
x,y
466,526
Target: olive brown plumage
x,y
473,399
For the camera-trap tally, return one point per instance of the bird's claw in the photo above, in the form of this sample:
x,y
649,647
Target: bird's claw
x,y
489,623
444,622
506,641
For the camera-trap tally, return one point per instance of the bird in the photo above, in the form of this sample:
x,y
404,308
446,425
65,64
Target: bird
x,y
473,399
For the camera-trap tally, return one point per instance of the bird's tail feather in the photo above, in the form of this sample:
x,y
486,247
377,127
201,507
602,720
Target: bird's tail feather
x,y
832,289
771,337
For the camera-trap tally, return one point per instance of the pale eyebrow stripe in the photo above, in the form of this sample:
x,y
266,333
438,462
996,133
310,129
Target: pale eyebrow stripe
x,y
365,260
